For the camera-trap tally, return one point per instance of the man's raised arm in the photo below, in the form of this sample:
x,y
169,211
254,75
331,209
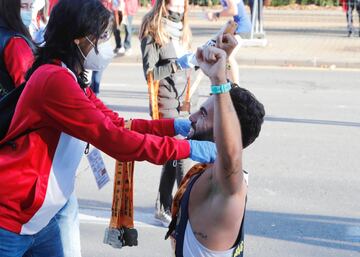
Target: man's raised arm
x,y
227,132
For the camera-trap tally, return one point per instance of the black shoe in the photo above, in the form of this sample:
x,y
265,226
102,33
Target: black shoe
x,y
349,33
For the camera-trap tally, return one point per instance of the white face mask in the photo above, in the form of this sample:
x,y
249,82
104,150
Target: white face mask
x,y
100,61
26,17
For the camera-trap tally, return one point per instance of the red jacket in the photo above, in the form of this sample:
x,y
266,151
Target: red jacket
x,y
37,177
18,58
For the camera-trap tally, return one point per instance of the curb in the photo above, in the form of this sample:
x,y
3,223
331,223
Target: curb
x,y
266,62
330,61
300,63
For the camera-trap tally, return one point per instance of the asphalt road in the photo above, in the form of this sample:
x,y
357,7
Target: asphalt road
x,y
304,168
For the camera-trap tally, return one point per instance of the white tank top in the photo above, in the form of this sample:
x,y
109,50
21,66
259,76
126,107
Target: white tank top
x,y
193,248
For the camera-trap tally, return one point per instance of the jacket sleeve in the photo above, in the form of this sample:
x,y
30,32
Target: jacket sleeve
x,y
18,58
113,116
66,108
164,127
151,57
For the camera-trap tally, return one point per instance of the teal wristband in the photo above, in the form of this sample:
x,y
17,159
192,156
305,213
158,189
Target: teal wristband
x,y
220,89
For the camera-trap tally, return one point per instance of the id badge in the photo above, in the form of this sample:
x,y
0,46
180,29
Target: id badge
x,y
98,168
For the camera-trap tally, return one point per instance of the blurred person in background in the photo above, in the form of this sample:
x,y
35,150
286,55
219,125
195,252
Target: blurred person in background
x,y
55,115
118,6
130,9
16,47
258,10
39,19
348,7
235,9
107,56
165,36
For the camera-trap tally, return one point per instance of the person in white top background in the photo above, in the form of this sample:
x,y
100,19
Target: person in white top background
x,y
236,10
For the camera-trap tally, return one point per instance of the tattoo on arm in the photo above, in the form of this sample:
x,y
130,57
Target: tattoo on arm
x,y
199,234
231,173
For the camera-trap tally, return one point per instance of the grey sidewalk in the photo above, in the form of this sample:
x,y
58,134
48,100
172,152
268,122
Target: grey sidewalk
x,y
310,38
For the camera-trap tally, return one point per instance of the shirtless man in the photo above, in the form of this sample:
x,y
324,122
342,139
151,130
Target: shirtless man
x,y
208,210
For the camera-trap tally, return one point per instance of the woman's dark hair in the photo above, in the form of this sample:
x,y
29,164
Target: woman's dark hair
x,y
70,20
10,14
249,111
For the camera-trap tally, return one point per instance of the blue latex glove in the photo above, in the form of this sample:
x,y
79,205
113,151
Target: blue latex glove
x,y
182,126
202,151
184,62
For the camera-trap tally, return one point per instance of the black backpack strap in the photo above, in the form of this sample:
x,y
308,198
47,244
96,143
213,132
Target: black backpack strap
x,y
12,142
7,110
6,83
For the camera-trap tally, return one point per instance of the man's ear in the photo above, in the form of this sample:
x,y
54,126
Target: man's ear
x,y
77,41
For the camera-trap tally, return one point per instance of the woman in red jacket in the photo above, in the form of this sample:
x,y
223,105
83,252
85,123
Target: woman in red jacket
x,y
56,114
16,54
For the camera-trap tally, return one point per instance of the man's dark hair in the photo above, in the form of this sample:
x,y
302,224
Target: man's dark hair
x,y
70,20
10,14
249,111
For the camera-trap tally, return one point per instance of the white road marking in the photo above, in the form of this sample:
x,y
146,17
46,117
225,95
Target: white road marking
x,y
113,85
353,233
270,192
